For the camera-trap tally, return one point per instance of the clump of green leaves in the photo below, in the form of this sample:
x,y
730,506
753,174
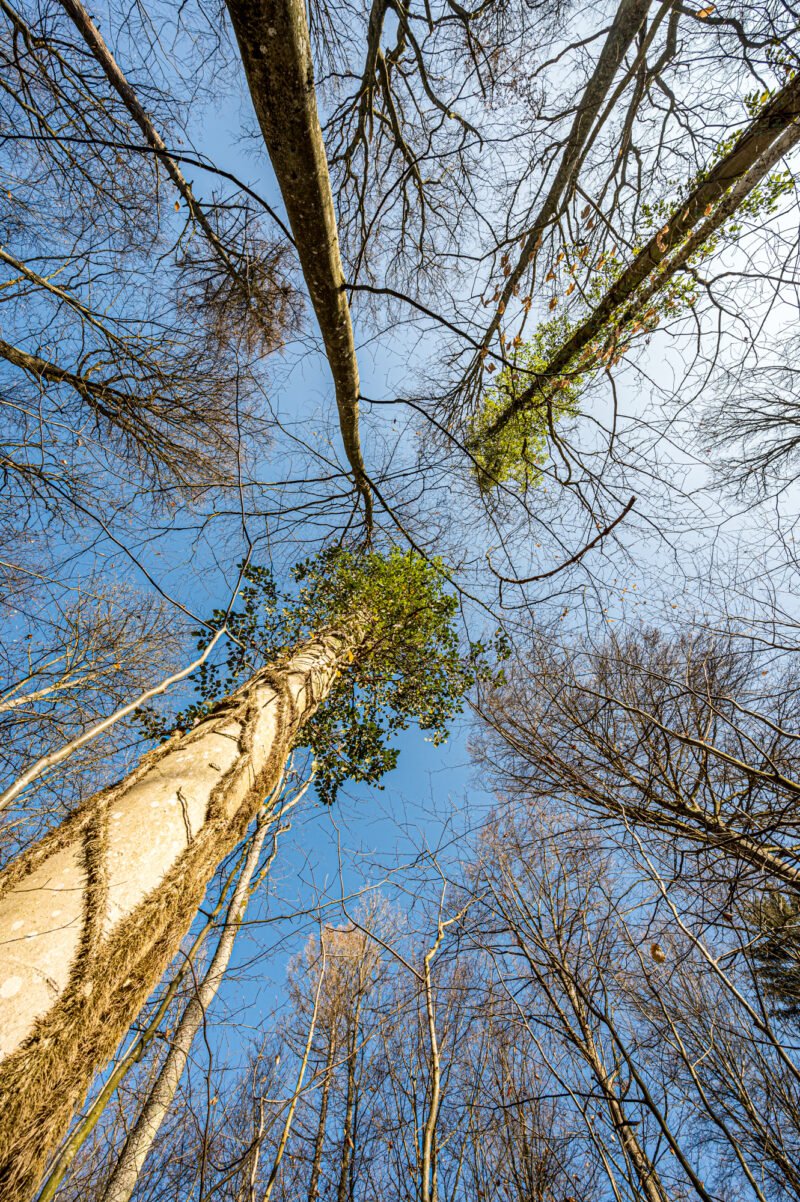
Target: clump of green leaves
x,y
520,450
406,668
253,624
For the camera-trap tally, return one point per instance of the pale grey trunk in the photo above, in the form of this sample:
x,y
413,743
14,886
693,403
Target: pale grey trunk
x,y
319,1143
91,916
429,1130
140,1140
275,46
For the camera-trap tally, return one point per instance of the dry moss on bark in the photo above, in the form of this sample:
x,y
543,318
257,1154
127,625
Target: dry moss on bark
x,y
396,652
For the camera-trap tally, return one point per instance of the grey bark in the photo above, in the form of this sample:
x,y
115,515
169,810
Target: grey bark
x,y
348,1143
275,47
319,1142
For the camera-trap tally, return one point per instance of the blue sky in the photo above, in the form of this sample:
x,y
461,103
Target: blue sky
x,y
434,795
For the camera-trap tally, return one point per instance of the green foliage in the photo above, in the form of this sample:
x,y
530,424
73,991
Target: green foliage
x,y
406,667
520,450
776,956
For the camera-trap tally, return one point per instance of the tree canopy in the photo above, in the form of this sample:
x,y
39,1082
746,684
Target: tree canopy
x,y
389,387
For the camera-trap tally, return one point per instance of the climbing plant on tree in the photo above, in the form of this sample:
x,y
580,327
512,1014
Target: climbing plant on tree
x,y
519,451
408,667
364,646
621,300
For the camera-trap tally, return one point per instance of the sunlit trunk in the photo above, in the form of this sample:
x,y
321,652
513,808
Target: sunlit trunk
x,y
91,916
140,1138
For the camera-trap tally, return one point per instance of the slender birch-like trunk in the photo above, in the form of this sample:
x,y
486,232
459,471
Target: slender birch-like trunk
x,y
348,1143
91,915
622,33
140,1139
429,1165
319,1142
298,1089
428,1168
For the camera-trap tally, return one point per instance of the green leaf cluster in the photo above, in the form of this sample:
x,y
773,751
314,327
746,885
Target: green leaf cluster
x,y
521,448
407,667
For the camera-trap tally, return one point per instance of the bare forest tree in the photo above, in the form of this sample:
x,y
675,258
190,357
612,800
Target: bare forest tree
x,y
692,736
551,255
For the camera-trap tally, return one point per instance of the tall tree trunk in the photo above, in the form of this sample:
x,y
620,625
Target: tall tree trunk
x,y
349,1108
283,1142
319,1142
91,916
275,46
428,1169
644,1173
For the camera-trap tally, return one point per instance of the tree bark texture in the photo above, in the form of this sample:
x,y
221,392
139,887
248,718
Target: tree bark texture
x,y
91,916
140,1138
275,47
348,1143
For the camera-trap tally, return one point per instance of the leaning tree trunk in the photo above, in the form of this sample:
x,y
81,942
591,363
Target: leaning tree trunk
x,y
319,1142
275,45
142,1135
91,915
